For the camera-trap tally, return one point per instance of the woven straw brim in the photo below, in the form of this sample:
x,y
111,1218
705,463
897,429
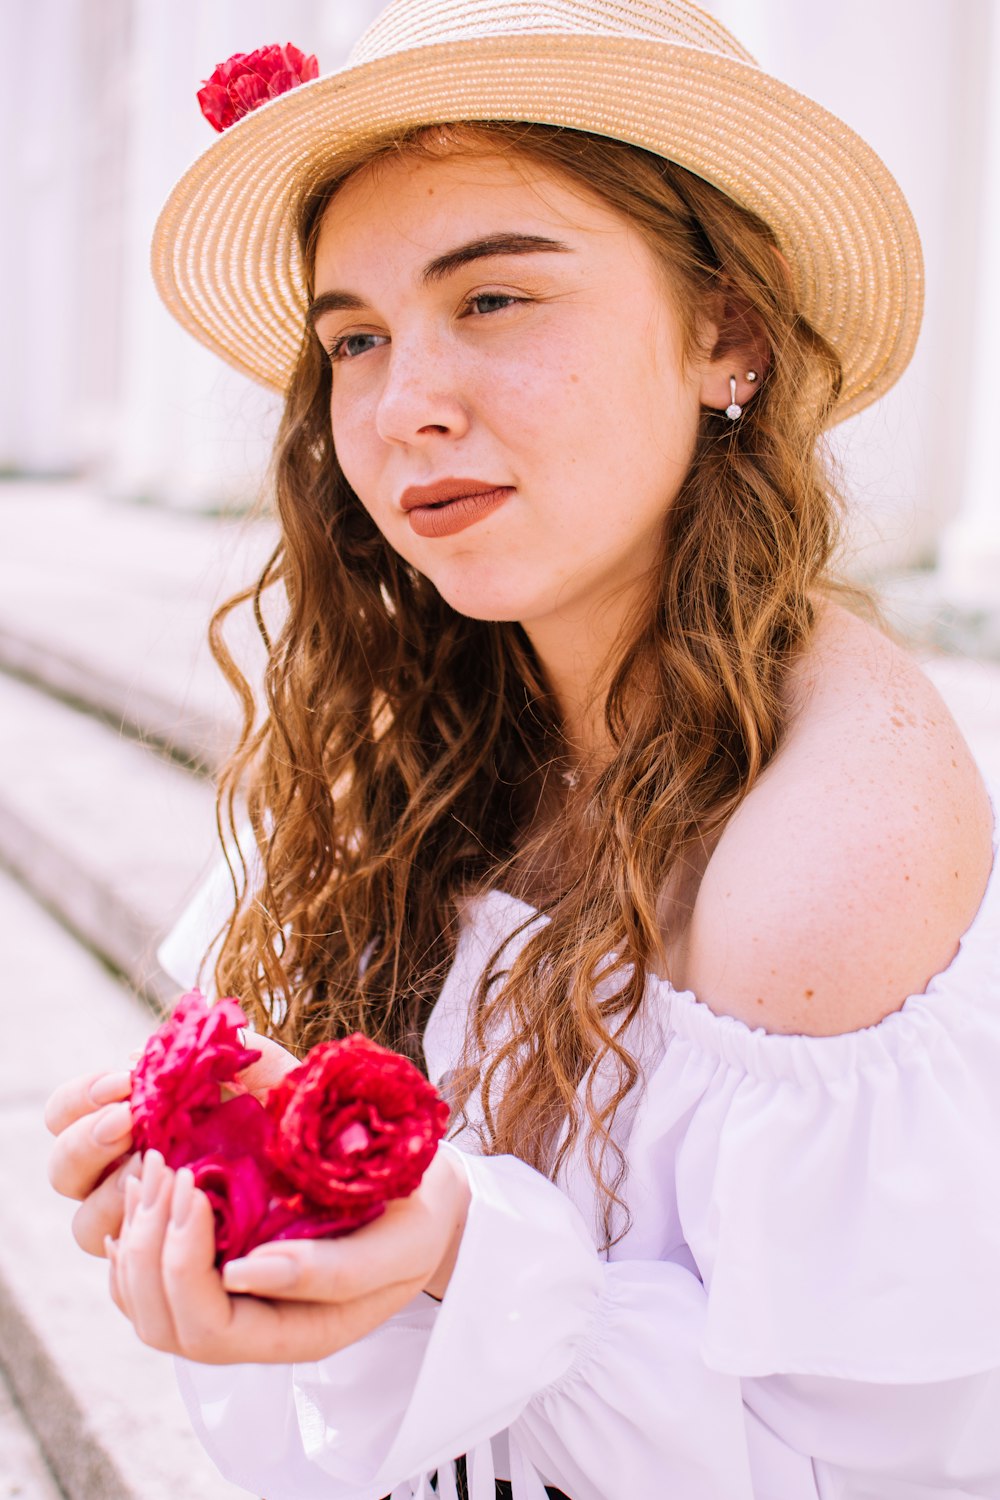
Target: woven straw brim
x,y
227,266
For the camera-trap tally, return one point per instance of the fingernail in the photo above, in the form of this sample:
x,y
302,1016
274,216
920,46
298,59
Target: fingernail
x,y
114,1125
109,1087
263,1273
132,1168
152,1177
180,1208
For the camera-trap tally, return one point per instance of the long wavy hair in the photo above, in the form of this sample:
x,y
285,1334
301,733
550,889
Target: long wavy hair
x,y
403,751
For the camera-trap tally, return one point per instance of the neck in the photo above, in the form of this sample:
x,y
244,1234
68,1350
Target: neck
x,y
579,652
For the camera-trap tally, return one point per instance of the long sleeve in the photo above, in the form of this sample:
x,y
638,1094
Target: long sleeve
x,y
593,1369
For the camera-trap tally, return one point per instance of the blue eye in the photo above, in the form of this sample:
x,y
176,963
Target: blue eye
x,y
350,345
500,300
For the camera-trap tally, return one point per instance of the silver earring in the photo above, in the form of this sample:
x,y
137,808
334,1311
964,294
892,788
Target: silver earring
x,y
751,376
733,410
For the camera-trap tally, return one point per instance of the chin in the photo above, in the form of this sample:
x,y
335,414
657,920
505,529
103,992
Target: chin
x,y
479,607
481,595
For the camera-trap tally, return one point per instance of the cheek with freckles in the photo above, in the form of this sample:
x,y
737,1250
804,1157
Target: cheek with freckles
x,y
355,439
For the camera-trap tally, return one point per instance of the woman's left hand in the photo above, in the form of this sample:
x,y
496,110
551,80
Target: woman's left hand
x,y
288,1301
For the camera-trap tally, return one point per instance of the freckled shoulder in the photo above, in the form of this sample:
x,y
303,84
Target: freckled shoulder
x,y
844,881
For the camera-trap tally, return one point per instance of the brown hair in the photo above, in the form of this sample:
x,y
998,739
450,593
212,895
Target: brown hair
x,y
405,749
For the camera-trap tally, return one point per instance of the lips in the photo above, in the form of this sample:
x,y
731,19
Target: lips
x,y
444,490
450,505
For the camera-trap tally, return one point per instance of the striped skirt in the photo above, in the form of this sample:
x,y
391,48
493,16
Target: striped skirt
x,y
503,1489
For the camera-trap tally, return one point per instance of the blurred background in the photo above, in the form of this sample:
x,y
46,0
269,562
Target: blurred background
x,y
130,463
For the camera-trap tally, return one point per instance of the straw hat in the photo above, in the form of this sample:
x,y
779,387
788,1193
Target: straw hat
x,y
661,74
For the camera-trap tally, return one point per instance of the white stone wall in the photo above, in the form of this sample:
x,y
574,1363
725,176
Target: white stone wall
x,y
97,378
96,127
970,544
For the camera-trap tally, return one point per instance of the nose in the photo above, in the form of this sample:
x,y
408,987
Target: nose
x,y
422,397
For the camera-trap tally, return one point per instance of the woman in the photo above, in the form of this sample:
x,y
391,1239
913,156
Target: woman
x,y
578,782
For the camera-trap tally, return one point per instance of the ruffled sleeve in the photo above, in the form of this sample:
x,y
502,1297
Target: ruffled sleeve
x,y
839,1198
591,1372
841,1195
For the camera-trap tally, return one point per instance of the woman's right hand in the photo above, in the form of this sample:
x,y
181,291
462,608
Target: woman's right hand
x,y
92,1123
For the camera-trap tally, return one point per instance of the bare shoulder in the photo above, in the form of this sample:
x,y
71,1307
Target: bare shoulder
x,y
845,879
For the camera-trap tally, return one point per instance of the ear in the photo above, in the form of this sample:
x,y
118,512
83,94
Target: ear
x,y
740,352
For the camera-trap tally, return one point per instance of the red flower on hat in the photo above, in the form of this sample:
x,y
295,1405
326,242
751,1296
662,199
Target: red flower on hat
x,y
249,79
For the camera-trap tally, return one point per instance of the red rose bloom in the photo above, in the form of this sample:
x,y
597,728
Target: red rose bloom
x,y
237,1127
249,79
296,1218
239,1191
181,1071
354,1126
350,1128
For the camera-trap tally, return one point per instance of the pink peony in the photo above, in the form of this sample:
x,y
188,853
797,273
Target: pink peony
x,y
238,1189
236,1127
294,1217
181,1072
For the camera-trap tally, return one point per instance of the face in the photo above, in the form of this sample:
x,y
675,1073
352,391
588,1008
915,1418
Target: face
x,y
510,398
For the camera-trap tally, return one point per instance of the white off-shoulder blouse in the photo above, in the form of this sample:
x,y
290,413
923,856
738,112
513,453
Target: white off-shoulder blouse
x,y
805,1307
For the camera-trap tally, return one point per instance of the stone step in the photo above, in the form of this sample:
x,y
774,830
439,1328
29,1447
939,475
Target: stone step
x,y
108,835
104,1409
24,1474
107,604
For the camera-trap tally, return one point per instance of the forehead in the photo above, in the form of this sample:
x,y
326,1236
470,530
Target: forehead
x,y
408,205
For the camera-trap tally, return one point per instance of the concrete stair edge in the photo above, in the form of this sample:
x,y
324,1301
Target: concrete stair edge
x,y
83,1467
108,837
111,930
140,712
104,1408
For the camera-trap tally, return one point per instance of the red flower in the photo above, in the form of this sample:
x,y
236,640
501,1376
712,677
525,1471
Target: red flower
x,y
354,1126
237,1127
350,1128
249,79
181,1071
238,1190
296,1218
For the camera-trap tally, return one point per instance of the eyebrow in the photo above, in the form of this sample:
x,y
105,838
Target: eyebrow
x,y
444,265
